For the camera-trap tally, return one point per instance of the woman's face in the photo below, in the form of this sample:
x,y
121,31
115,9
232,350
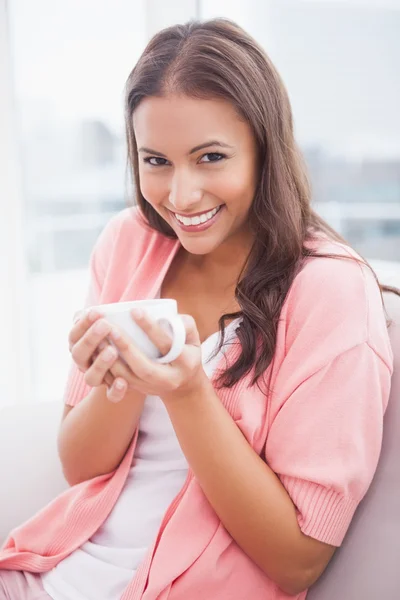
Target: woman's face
x,y
197,168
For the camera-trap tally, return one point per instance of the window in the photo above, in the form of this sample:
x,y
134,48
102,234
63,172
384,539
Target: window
x,y
70,63
68,66
339,61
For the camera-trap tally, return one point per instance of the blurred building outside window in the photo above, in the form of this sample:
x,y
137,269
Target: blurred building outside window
x,y
338,60
66,107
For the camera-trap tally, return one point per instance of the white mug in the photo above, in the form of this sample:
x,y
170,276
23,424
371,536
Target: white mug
x,y
165,311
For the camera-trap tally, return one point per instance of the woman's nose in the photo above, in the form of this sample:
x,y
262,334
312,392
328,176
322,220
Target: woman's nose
x,y
184,194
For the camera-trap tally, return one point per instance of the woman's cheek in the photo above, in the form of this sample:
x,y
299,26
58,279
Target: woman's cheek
x,y
242,188
151,189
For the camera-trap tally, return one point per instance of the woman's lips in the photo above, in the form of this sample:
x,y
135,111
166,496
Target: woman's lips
x,y
200,226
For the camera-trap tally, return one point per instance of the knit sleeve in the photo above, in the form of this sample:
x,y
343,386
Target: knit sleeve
x,y
325,442
330,396
76,389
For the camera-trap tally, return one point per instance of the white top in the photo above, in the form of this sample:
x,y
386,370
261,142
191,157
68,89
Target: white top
x,y
102,568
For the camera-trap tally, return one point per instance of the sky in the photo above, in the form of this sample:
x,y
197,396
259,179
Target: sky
x,y
339,60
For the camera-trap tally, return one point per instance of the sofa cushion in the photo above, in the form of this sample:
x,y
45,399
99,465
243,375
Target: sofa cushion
x,y
366,567
30,470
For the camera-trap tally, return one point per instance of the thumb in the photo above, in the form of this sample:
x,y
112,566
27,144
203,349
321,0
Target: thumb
x,y
117,390
192,334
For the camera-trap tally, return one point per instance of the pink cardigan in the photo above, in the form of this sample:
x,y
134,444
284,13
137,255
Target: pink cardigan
x,y
320,430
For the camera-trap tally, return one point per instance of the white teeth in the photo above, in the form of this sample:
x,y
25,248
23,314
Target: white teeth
x,y
199,219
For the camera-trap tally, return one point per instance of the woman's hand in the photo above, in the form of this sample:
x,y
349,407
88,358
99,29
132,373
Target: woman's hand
x,y
95,357
168,381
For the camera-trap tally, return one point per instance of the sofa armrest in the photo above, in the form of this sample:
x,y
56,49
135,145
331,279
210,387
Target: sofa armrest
x,y
30,470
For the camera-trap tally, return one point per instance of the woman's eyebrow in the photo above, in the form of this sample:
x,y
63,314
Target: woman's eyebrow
x,y
192,151
207,144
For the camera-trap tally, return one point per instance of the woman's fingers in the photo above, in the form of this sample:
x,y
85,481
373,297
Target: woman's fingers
x,y
83,350
120,369
154,331
99,368
117,391
146,369
116,386
139,365
108,379
94,355
83,320
192,333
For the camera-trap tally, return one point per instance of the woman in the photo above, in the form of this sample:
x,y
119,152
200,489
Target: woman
x,y
234,472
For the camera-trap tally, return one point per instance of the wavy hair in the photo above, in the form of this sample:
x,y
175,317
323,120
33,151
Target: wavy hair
x,y
218,59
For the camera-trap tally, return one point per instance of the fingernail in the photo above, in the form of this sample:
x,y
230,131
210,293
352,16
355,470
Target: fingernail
x,y
115,334
108,354
77,316
119,385
93,315
101,327
111,399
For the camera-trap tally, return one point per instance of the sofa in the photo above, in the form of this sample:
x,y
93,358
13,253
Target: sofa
x,y
366,567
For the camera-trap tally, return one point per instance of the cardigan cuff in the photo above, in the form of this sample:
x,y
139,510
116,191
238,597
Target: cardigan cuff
x,y
76,387
323,513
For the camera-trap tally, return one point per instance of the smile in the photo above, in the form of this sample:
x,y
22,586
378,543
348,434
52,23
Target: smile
x,y
198,219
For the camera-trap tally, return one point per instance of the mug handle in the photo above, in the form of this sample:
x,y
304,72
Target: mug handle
x,y
178,338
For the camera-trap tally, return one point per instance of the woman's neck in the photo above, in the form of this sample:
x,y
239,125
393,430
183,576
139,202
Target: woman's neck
x,y
223,266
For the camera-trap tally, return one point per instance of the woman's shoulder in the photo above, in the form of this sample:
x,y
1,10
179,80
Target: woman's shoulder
x,y
128,220
338,276
128,232
339,272
337,299
127,253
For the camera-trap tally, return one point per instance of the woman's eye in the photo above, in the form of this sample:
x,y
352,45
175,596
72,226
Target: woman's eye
x,y
212,157
155,161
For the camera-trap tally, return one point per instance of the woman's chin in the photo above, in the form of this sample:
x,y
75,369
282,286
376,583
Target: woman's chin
x,y
199,247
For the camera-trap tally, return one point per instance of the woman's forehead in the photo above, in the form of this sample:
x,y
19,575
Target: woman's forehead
x,y
191,121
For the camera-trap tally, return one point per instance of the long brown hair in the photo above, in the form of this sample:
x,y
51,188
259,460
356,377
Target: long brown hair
x,y
218,59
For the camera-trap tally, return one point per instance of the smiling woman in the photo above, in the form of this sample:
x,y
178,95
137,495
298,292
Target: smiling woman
x,y
234,471
185,182
191,221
